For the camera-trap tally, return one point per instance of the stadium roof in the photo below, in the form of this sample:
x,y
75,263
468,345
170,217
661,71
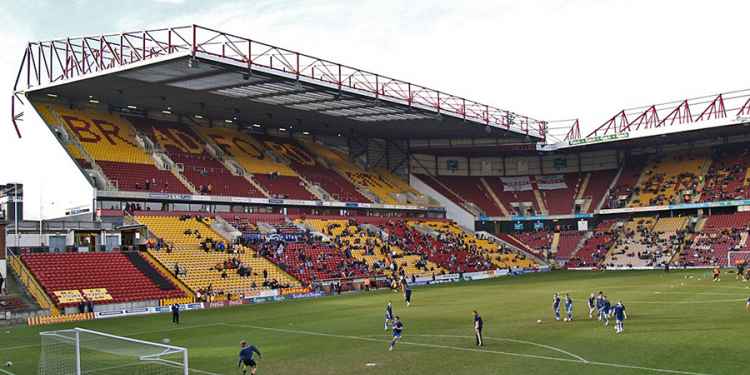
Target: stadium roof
x,y
193,70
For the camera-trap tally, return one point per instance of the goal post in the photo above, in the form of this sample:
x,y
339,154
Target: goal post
x,y
81,351
737,256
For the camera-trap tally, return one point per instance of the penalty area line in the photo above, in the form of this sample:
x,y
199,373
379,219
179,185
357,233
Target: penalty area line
x,y
465,349
6,372
550,347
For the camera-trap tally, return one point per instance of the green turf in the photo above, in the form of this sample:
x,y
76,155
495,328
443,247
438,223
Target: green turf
x,y
677,325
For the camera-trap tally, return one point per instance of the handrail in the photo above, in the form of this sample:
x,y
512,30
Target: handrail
x,y
32,285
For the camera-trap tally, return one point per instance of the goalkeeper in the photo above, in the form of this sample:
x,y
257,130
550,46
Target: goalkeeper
x,y
246,357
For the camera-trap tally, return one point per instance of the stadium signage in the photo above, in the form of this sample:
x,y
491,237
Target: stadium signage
x,y
305,295
103,194
681,206
144,311
599,139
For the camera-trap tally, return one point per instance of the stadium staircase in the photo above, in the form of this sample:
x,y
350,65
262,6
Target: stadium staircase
x,y
540,202
159,267
142,265
582,188
555,243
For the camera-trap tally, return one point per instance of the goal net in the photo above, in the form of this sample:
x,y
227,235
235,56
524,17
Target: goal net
x,y
80,351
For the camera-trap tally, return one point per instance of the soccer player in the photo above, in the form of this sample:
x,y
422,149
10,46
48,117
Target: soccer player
x,y
556,305
568,308
478,324
747,305
620,317
592,305
175,313
397,328
717,274
246,358
599,305
388,314
407,294
740,270
604,313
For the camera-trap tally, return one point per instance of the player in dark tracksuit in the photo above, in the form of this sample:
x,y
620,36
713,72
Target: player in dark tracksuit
x,y
388,314
407,293
175,313
246,357
478,325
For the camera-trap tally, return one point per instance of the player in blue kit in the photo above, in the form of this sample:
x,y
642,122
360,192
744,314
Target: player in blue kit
x,y
604,312
599,305
246,357
397,328
568,308
592,305
388,314
620,317
556,305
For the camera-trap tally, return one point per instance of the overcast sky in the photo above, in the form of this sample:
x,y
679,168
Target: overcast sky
x,y
549,59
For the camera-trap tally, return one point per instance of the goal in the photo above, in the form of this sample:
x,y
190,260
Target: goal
x,y
737,256
80,351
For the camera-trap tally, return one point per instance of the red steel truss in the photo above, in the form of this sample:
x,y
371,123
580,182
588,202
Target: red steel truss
x,y
54,61
721,106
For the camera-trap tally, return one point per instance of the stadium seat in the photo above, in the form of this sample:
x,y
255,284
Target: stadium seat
x,y
187,149
112,142
186,234
114,271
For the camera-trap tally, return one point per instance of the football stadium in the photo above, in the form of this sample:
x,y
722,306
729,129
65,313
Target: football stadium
x,y
317,218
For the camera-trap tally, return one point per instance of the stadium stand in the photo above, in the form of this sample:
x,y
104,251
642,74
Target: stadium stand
x,y
540,243
671,178
384,186
729,175
463,190
624,188
596,189
125,276
257,159
721,234
596,247
558,192
206,174
207,262
568,244
482,252
310,168
111,142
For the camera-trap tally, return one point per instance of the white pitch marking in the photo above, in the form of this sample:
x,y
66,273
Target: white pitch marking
x,y
519,342
6,372
593,363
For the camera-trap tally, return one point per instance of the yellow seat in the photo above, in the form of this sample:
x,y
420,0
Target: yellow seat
x,y
200,264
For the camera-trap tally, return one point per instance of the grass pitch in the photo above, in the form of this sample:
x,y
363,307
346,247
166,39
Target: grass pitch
x,y
679,323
